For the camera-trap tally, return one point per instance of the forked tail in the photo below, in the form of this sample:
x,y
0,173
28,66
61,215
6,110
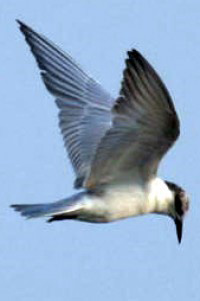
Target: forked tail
x,y
64,209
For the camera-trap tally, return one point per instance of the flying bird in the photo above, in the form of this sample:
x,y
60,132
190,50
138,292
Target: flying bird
x,y
115,145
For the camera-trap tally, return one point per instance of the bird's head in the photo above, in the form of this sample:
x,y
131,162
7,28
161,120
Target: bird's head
x,y
179,207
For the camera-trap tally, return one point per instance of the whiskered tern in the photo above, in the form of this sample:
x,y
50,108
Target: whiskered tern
x,y
115,145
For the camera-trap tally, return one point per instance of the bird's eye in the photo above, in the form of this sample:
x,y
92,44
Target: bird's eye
x,y
179,205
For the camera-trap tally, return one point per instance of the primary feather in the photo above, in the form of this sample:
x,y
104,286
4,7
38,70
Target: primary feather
x,y
84,106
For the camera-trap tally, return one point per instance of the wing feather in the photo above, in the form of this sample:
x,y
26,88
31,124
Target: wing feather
x,y
84,107
144,126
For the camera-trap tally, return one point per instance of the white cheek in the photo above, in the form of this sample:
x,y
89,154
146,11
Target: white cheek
x,y
160,197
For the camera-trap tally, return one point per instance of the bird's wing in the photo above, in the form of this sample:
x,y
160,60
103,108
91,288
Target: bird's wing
x,y
84,107
144,127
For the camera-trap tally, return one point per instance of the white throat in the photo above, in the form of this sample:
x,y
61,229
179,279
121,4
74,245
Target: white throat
x,y
160,197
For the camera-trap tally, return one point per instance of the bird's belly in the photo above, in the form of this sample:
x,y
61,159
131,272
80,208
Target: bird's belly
x,y
125,205
113,205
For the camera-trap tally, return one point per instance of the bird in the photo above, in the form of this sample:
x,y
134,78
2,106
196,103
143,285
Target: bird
x,y
115,144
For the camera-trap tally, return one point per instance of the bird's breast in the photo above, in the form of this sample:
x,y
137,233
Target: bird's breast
x,y
118,202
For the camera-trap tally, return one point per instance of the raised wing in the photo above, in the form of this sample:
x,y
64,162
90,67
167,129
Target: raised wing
x,y
145,125
85,108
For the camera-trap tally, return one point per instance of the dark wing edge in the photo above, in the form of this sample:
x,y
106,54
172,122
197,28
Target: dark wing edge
x,y
145,124
142,83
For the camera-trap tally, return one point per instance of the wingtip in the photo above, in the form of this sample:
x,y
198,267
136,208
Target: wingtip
x,y
134,53
23,27
18,21
21,24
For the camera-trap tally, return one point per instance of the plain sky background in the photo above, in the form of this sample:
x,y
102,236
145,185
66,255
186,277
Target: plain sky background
x,y
135,259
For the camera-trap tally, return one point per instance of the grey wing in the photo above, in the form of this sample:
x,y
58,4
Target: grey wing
x,y
85,108
144,126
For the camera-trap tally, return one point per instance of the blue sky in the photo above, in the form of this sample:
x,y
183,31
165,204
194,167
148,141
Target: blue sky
x,y
135,259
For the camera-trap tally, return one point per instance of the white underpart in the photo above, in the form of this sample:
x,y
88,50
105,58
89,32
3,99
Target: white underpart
x,y
160,197
121,201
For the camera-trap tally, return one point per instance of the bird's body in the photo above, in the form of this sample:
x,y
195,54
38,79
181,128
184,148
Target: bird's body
x,y
115,145
109,203
126,200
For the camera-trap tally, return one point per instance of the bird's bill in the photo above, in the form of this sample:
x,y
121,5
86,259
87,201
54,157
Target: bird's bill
x,y
179,228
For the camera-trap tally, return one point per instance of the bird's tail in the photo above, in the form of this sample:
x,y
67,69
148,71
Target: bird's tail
x,y
64,209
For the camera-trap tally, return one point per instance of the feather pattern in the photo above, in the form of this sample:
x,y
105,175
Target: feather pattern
x,y
144,127
84,107
108,140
